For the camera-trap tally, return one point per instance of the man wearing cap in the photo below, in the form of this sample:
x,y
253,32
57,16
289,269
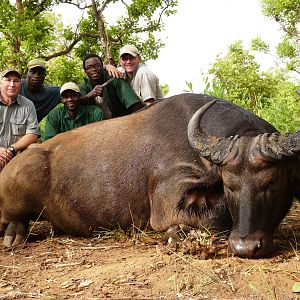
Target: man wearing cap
x,y
143,81
72,115
18,120
116,94
44,96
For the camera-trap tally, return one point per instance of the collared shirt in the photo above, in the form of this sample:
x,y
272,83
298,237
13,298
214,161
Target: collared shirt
x,y
17,120
145,84
59,120
118,94
45,99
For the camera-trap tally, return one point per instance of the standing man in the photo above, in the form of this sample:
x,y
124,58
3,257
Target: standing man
x,y
72,115
18,120
44,96
117,95
143,81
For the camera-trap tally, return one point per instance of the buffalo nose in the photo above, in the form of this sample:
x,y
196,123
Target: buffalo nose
x,y
250,247
246,248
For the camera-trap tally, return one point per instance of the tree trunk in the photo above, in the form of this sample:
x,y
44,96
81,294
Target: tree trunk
x,y
102,35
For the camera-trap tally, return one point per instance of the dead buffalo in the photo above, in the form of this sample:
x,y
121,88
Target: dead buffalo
x,y
234,171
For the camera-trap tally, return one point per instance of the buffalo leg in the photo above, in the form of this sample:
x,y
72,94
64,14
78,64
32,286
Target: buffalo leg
x,y
15,234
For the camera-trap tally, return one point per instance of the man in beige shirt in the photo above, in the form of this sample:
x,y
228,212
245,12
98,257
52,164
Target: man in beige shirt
x,y
143,81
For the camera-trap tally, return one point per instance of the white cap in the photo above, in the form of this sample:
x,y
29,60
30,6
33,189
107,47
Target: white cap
x,y
130,49
69,86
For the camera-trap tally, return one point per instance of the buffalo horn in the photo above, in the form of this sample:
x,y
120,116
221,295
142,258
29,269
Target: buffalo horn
x,y
214,149
279,146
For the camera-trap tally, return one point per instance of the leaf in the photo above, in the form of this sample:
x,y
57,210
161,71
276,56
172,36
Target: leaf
x,y
252,287
296,287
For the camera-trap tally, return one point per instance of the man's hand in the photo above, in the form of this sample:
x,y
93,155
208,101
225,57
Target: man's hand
x,y
97,91
5,156
113,71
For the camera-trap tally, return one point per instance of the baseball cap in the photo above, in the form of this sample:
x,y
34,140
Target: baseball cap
x,y
10,70
36,63
130,49
69,86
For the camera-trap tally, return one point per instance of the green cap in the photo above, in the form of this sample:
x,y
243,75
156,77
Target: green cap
x,y
34,63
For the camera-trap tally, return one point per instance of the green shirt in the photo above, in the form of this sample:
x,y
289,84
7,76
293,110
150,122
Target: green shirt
x,y
59,120
118,94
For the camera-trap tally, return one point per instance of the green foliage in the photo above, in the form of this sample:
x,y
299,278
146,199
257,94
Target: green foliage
x,y
271,95
189,86
138,25
64,69
31,30
296,287
287,14
258,44
165,89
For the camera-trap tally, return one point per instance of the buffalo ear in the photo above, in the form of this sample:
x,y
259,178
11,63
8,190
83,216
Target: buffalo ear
x,y
194,199
201,198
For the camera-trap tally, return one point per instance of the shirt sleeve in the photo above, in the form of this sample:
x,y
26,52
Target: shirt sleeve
x,y
84,89
148,86
32,125
125,93
97,114
52,124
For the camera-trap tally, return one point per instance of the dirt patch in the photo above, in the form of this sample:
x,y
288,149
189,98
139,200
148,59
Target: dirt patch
x,y
115,266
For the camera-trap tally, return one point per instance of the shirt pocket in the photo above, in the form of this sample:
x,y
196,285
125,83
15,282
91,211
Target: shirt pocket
x,y
18,126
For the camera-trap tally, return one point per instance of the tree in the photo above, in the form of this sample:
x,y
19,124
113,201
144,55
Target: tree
x,y
29,29
287,14
271,95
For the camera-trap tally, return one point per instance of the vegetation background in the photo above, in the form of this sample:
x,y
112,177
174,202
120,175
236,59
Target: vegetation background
x,y
30,28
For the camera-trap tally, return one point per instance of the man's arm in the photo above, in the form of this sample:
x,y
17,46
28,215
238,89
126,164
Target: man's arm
x,y
113,71
25,141
89,98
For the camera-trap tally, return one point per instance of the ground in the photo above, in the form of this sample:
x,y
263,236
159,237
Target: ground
x,y
114,265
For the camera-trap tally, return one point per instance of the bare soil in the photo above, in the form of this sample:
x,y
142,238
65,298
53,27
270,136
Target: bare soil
x,y
114,265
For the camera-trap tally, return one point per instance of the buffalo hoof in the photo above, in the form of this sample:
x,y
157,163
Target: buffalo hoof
x,y
14,234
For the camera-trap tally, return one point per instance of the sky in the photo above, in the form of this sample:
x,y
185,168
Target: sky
x,y
200,31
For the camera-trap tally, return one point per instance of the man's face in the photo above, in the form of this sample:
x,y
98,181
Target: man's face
x,y
71,100
130,63
93,68
36,77
10,85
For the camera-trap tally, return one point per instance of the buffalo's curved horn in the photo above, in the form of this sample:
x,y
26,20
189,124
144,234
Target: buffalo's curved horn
x,y
214,149
279,146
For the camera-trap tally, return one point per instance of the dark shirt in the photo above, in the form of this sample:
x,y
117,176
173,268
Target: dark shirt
x,y
45,99
118,94
59,119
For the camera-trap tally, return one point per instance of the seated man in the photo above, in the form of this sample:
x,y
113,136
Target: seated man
x,y
142,80
117,95
44,96
72,114
18,121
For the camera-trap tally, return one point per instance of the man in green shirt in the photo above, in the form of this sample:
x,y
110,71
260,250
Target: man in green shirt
x,y
72,115
117,95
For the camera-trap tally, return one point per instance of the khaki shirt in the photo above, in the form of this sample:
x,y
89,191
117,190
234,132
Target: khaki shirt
x,y
17,120
146,84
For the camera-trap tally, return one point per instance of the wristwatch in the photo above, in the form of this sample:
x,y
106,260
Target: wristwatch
x,y
12,150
